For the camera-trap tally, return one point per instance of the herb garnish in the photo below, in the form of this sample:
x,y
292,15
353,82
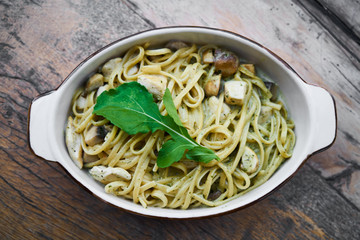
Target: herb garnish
x,y
131,108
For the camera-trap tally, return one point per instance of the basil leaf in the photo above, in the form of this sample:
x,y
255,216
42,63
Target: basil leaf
x,y
171,151
172,111
131,108
170,107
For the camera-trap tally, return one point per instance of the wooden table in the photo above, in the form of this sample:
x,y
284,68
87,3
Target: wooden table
x,y
42,41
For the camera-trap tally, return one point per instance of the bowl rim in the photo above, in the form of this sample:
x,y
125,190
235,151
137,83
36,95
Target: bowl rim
x,y
184,28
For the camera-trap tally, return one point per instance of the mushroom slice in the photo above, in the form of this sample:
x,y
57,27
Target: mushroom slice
x,y
90,158
154,83
95,81
176,45
249,161
226,61
95,135
81,102
265,114
274,89
235,92
214,195
208,56
109,66
249,67
109,174
212,85
73,143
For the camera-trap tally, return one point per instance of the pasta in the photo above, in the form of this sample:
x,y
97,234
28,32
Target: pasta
x,y
250,133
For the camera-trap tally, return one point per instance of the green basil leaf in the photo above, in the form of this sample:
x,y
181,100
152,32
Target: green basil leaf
x,y
171,151
170,107
172,111
201,154
130,107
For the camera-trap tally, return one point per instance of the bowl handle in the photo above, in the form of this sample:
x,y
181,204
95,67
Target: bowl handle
x,y
324,113
39,125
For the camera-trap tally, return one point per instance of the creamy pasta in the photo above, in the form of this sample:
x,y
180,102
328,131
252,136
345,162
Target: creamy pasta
x,y
222,103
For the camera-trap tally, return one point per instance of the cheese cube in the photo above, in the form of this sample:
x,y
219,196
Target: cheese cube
x,y
154,83
212,86
235,92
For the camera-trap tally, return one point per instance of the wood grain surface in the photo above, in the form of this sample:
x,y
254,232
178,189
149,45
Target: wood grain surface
x,y
42,41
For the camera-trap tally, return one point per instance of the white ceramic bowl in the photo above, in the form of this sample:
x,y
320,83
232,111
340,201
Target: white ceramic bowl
x,y
312,109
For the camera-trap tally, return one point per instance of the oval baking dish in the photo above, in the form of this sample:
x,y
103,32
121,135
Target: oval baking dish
x,y
311,108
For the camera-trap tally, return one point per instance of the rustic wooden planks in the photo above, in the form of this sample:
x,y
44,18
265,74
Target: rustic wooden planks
x,y
346,11
41,42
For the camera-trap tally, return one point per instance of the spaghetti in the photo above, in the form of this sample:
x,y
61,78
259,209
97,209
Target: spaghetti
x,y
251,137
